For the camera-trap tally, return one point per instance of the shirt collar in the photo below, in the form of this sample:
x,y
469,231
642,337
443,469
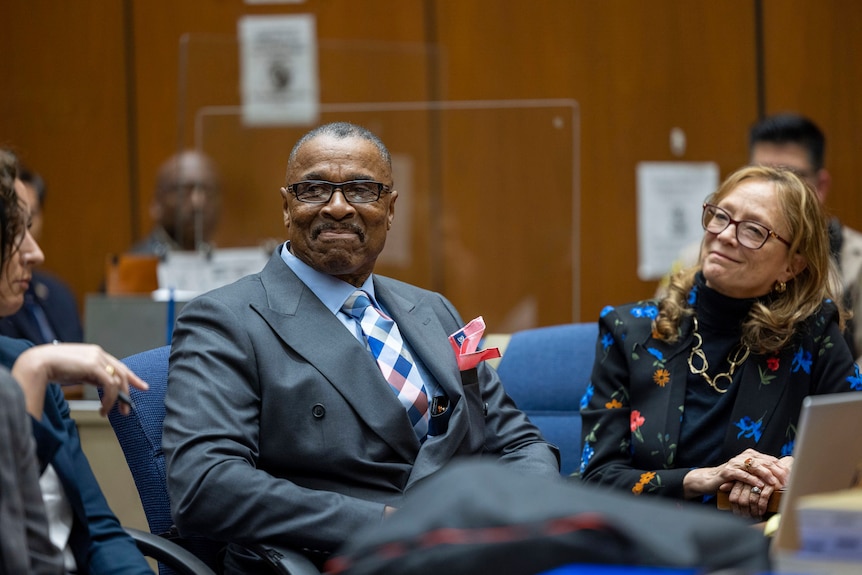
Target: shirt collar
x,y
330,290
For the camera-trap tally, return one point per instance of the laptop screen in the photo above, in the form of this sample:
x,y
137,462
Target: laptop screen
x,y
827,457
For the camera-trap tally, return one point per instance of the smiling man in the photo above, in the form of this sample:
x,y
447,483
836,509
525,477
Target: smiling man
x,y
299,399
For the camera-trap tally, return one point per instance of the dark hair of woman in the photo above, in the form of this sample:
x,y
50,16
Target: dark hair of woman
x,y
11,222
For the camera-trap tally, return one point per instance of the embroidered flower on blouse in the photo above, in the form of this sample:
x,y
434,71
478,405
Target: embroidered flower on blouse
x,y
588,395
692,296
648,310
772,363
656,354
607,340
855,380
586,454
613,404
661,377
644,480
750,428
637,420
802,360
606,310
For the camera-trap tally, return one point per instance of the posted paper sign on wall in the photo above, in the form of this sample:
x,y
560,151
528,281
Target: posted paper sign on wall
x,y
278,70
670,197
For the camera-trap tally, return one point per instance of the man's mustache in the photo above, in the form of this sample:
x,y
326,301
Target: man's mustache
x,y
338,227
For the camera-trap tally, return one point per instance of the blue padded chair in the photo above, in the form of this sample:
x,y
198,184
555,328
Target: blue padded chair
x,y
140,436
546,371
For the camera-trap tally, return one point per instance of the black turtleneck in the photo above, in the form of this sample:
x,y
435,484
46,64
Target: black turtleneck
x,y
707,413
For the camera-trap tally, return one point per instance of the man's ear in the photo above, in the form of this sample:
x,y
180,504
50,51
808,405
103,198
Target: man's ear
x,y
393,195
824,182
156,211
285,210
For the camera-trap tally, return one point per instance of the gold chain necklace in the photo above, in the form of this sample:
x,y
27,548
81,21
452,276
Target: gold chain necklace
x,y
738,358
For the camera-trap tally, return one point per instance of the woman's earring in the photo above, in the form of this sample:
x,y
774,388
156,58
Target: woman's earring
x,y
779,287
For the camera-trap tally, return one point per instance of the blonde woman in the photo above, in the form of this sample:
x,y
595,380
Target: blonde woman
x,y
701,391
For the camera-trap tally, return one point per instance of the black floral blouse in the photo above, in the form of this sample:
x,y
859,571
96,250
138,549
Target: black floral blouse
x,y
634,405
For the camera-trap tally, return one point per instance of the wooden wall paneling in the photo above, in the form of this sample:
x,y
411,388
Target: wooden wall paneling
x,y
369,52
253,159
637,70
811,64
63,109
159,29
509,195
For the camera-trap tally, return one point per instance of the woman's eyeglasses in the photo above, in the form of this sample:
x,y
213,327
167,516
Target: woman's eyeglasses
x,y
749,234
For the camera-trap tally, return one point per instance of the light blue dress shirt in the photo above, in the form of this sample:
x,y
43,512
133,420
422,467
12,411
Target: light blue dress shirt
x,y
333,292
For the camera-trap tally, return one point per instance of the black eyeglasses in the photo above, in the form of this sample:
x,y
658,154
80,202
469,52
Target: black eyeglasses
x,y
751,235
354,191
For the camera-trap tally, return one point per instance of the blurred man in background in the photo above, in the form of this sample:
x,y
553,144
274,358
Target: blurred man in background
x,y
186,205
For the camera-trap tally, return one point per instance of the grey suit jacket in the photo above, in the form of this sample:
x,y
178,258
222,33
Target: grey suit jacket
x,y
280,429
25,547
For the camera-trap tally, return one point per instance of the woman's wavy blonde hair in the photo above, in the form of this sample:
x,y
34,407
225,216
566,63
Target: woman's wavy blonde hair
x,y
772,321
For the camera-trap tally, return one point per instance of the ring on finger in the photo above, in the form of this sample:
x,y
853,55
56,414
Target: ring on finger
x,y
756,490
749,464
110,369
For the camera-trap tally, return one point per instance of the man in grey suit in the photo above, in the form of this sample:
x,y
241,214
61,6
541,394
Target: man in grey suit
x,y
281,431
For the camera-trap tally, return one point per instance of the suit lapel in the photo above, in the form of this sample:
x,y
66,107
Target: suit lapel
x,y
305,325
421,328
663,407
429,341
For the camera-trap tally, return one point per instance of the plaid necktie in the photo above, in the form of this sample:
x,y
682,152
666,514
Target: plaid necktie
x,y
384,341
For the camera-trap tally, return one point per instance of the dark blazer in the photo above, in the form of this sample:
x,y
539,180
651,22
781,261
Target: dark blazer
x,y
59,305
635,372
281,430
98,541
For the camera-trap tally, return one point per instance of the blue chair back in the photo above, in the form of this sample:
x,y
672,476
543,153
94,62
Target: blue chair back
x,y
140,436
546,371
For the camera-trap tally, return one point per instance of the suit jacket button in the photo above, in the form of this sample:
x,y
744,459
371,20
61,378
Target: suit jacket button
x,y
318,410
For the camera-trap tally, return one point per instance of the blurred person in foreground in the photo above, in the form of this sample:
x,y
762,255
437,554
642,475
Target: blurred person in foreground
x,y
701,391
278,406
81,525
25,546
